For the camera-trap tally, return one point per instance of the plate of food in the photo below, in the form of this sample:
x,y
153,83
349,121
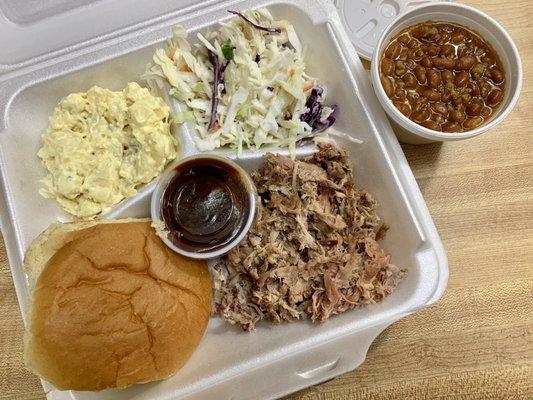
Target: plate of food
x,y
213,205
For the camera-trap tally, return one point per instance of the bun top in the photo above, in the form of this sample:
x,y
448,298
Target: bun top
x,y
114,306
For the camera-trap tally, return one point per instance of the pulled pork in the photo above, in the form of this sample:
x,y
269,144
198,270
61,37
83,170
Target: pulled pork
x,y
313,249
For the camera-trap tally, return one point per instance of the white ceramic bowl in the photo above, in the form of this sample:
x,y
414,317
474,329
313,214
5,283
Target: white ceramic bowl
x,y
410,132
164,180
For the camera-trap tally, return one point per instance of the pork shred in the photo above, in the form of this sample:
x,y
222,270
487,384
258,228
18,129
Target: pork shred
x,y
313,249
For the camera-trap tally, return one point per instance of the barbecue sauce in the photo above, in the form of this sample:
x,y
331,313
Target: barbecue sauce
x,y
205,205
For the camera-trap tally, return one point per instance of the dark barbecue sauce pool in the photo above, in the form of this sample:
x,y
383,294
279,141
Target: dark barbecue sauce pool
x,y
205,205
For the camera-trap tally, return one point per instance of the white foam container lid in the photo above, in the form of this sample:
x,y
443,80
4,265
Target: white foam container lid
x,y
55,47
365,20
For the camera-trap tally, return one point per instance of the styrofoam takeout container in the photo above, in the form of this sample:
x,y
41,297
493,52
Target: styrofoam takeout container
x,y
409,131
275,359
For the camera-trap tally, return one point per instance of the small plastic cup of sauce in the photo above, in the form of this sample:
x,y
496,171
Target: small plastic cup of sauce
x,y
203,206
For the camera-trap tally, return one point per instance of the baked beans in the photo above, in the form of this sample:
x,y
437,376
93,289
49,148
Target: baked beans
x,y
442,76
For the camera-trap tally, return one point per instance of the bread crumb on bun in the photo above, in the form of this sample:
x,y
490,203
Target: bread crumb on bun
x,y
112,305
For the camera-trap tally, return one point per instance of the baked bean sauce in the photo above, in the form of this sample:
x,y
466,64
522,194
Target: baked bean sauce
x,y
442,76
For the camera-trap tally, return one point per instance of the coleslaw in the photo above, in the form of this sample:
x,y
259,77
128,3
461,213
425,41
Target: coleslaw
x,y
244,85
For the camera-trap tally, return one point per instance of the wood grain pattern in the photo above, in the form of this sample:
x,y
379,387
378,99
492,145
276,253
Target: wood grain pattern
x,y
477,342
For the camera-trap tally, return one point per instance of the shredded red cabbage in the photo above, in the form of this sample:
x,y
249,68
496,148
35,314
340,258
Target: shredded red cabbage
x,y
256,26
314,105
218,70
330,120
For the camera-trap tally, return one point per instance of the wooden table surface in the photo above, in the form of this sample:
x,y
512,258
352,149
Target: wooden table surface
x,y
477,342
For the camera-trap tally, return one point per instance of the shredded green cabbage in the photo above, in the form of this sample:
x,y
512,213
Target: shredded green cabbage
x,y
263,92
182,117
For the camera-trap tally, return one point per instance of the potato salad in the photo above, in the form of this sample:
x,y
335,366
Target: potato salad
x,y
100,146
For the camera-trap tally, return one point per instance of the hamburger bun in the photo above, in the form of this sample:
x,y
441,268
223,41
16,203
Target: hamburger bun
x,y
112,305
